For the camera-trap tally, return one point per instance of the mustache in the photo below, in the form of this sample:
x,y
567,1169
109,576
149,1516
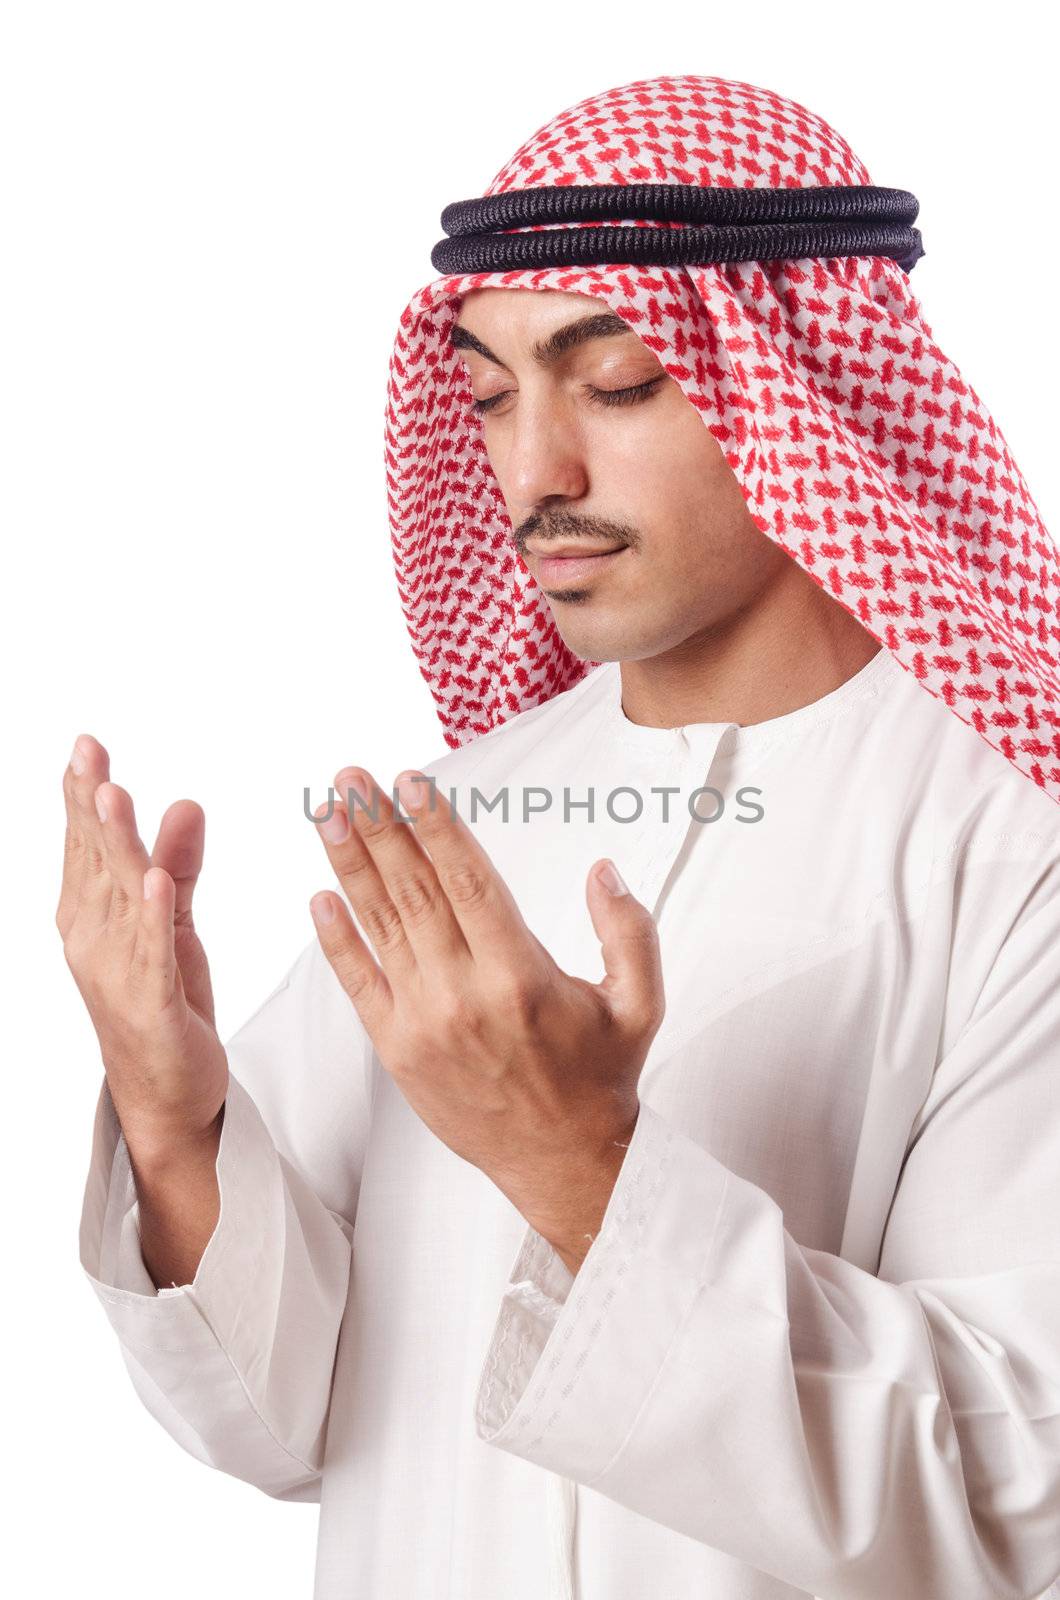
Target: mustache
x,y
550,526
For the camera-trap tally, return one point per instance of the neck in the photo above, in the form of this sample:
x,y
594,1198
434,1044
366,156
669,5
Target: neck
x,y
790,646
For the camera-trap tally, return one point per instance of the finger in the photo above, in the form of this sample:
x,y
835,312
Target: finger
x,y
73,858
124,851
86,881
629,941
352,962
406,875
154,963
480,900
179,849
364,888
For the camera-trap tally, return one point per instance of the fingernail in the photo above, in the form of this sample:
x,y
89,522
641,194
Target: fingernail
x,y
357,781
412,787
101,809
337,826
611,879
77,760
322,908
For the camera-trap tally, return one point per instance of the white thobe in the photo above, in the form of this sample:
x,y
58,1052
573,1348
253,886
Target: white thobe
x,y
815,1345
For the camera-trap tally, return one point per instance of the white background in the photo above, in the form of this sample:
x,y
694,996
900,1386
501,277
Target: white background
x,y
213,216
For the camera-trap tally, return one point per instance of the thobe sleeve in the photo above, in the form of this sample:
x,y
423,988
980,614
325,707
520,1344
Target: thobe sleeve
x,y
857,1435
237,1365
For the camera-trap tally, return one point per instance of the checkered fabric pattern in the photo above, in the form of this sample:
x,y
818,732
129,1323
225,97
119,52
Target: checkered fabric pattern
x,y
859,447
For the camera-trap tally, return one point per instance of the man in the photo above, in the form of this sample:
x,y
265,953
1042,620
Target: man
x,y
699,1240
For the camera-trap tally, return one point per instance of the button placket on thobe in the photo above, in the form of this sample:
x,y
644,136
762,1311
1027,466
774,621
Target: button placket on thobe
x,y
684,763
680,759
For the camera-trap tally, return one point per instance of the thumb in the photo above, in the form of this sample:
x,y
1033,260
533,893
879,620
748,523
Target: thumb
x,y
629,942
179,848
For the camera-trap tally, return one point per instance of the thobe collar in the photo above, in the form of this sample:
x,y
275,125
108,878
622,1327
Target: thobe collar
x,y
704,739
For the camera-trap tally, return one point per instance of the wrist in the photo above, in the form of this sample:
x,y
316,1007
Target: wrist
x,y
158,1152
572,1216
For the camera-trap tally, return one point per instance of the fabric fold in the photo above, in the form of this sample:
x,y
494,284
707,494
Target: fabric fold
x,y
237,1364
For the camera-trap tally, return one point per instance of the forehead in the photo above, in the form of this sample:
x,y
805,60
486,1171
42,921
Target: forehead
x,y
537,308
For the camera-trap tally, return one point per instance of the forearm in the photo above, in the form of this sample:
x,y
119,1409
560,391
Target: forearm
x,y
573,1220
178,1200
242,1350
565,1198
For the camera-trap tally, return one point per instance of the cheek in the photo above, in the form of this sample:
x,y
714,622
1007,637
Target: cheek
x,y
665,461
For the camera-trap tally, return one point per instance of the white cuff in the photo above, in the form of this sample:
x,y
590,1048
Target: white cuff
x,y
562,1383
247,1240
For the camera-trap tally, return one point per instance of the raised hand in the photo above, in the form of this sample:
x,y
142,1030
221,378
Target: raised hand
x,y
139,964
525,1071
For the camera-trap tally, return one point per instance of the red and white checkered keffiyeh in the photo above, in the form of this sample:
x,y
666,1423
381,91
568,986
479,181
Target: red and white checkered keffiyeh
x,y
859,447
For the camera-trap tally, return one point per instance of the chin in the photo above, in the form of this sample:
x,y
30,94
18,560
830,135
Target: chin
x,y
626,635
601,647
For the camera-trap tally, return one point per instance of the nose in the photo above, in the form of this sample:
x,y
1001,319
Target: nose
x,y
545,460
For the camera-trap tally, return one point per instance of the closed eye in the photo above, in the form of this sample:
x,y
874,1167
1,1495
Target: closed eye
x,y
624,397
603,397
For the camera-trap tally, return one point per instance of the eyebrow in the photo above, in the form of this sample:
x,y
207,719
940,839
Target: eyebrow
x,y
598,325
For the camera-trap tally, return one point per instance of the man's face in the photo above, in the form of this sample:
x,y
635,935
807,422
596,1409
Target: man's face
x,y
595,447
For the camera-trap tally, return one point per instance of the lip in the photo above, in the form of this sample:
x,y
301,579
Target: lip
x,y
574,566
